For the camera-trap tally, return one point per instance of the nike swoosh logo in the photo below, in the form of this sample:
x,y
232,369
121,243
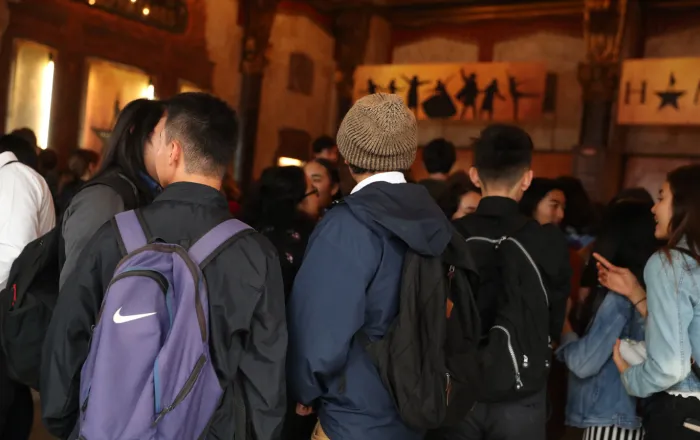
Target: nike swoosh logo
x,y
121,319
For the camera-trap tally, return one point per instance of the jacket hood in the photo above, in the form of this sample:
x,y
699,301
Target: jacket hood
x,y
406,211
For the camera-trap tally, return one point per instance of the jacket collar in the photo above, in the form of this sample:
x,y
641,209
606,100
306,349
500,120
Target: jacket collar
x,y
495,206
194,193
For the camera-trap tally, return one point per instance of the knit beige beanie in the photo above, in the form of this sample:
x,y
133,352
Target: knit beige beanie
x,y
379,133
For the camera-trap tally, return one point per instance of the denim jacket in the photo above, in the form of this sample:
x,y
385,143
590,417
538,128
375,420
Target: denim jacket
x,y
596,396
672,327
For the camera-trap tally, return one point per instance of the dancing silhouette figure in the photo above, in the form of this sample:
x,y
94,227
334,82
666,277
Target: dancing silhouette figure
x,y
440,105
371,87
412,96
393,88
468,94
517,95
490,94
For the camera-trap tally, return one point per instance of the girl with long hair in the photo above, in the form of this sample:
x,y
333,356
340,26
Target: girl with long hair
x,y
125,161
670,301
596,398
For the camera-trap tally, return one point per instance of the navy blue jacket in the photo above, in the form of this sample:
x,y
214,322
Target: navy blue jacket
x,y
350,280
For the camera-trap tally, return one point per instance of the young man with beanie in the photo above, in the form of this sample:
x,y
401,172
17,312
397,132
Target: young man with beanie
x,y
351,274
502,169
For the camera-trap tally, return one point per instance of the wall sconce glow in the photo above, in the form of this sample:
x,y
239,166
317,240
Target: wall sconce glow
x,y
146,11
289,162
133,1
46,96
91,2
149,92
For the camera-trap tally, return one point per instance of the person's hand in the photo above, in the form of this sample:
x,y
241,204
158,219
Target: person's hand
x,y
621,364
618,279
303,410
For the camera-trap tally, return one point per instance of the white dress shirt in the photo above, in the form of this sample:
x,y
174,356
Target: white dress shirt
x,y
27,210
389,177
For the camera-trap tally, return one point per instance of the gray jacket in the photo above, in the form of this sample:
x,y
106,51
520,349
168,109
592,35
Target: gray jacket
x,y
89,209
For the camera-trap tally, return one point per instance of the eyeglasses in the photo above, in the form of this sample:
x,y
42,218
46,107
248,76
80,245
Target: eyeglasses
x,y
311,193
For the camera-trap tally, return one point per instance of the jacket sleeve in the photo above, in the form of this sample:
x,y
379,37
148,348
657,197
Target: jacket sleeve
x,y
67,339
20,224
666,333
88,210
263,361
327,305
585,356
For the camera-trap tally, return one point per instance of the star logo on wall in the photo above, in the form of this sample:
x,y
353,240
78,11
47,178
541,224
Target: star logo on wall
x,y
670,96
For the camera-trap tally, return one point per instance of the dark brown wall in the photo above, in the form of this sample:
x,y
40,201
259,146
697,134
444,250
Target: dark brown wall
x,y
77,31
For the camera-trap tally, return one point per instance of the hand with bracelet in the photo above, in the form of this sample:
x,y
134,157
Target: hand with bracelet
x,y
623,282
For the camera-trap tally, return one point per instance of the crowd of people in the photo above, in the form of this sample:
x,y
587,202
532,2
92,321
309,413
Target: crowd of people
x,y
167,318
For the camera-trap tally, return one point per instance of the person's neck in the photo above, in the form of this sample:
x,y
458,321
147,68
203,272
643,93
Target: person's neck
x,y
513,193
438,176
360,177
202,180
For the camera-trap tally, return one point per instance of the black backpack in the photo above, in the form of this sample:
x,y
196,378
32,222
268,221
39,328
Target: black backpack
x,y
28,301
515,350
425,360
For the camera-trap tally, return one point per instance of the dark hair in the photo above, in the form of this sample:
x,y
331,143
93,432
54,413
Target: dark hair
x,y
580,214
626,239
23,150
125,147
439,156
80,162
323,143
538,190
502,153
458,184
358,170
273,200
48,160
685,220
207,129
633,194
27,134
331,169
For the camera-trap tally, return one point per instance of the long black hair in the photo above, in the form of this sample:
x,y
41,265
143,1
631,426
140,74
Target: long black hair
x,y
627,240
274,199
125,149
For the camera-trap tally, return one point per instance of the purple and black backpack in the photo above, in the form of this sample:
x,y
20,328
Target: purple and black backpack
x,y
149,373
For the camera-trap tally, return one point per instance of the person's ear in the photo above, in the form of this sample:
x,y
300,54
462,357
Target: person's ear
x,y
474,177
526,180
334,189
176,153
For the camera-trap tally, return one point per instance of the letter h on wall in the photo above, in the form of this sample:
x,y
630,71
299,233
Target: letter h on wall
x,y
642,92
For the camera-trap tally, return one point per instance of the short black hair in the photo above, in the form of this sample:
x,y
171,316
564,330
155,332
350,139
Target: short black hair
x,y
21,148
358,170
323,143
27,134
502,153
439,156
207,129
48,160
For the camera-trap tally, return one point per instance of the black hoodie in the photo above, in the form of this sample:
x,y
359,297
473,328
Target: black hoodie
x,y
350,280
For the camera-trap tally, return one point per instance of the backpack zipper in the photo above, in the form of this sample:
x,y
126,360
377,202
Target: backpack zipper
x,y
527,255
518,381
185,391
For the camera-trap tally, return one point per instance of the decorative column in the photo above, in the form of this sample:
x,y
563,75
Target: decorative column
x,y
351,31
597,160
66,104
257,18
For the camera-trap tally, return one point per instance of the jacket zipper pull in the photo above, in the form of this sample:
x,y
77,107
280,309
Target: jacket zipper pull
x,y
526,361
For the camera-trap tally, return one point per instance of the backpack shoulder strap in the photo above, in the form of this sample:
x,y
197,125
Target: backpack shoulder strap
x,y
214,239
131,231
121,185
7,163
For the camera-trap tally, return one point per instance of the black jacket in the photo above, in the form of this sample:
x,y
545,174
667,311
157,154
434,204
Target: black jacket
x,y
247,314
499,216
